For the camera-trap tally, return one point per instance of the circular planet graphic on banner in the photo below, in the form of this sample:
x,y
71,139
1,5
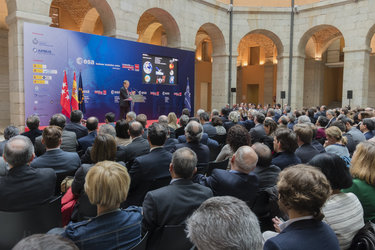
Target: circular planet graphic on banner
x,y
147,67
171,72
147,78
171,66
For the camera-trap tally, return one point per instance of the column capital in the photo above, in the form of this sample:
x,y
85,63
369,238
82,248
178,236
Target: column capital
x,y
357,50
27,17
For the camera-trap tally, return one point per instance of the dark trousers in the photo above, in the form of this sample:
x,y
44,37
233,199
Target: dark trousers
x,y
123,111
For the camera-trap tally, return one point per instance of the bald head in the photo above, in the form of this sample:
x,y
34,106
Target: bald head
x,y
193,131
244,160
135,129
18,151
92,123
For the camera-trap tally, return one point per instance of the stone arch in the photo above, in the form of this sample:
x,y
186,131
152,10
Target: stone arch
x,y
169,24
89,21
217,38
370,39
275,38
334,33
106,15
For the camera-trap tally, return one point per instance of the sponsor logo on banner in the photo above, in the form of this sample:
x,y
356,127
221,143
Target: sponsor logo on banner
x,y
147,78
43,51
142,92
115,92
100,92
177,94
165,93
35,41
79,60
147,67
154,93
136,66
128,67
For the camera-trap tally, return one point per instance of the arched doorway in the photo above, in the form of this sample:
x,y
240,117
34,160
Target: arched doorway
x,y
156,26
324,66
257,67
210,48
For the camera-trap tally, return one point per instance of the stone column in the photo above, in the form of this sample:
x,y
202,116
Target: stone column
x,y
356,76
371,92
220,67
15,21
297,80
4,80
313,82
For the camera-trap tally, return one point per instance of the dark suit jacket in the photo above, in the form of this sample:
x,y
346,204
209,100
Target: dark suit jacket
x,y
32,134
87,141
124,94
330,122
267,175
25,187
240,185
306,152
58,160
306,235
171,205
205,140
179,131
170,144
257,133
248,124
139,146
154,165
209,130
69,143
202,151
284,159
77,128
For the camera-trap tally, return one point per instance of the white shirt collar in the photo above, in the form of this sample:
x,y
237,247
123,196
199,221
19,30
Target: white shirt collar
x,y
288,222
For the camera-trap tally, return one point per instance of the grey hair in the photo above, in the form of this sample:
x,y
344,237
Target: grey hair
x,y
163,119
18,151
10,132
246,159
304,119
194,131
234,116
199,112
184,161
107,129
331,112
215,112
184,120
132,115
224,222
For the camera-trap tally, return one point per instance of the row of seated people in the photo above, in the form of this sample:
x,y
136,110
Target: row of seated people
x,y
242,175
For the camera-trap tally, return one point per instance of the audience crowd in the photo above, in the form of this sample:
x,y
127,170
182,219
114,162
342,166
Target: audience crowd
x,y
245,177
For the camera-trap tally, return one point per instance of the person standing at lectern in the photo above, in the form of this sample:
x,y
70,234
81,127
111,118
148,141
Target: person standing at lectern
x,y
125,99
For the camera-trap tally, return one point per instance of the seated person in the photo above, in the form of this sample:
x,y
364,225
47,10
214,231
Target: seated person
x,y
239,182
343,212
362,170
222,223
104,149
75,125
303,190
285,144
32,123
172,204
305,150
107,185
24,187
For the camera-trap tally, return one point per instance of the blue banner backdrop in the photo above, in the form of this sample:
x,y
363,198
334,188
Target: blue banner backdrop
x,y
104,63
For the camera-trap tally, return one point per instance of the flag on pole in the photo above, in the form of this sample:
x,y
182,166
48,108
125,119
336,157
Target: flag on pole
x,y
81,96
187,94
74,100
64,98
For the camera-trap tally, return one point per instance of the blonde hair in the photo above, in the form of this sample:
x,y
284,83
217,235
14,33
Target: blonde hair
x,y
335,133
363,166
107,184
172,120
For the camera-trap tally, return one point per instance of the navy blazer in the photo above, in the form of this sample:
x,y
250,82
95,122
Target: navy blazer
x,y
306,152
222,182
87,141
58,160
146,168
257,133
209,130
171,205
306,235
205,140
170,144
68,143
25,187
139,146
32,134
285,159
202,151
77,128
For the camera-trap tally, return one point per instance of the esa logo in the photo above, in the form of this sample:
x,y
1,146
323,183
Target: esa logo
x,y
80,60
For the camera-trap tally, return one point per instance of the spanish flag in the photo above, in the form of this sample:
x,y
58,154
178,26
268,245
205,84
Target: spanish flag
x,y
74,100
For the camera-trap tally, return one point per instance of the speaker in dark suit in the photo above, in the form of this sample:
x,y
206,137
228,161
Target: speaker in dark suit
x,y
172,204
124,99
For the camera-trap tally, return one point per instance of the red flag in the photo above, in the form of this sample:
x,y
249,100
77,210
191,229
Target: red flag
x,y
64,98
74,100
